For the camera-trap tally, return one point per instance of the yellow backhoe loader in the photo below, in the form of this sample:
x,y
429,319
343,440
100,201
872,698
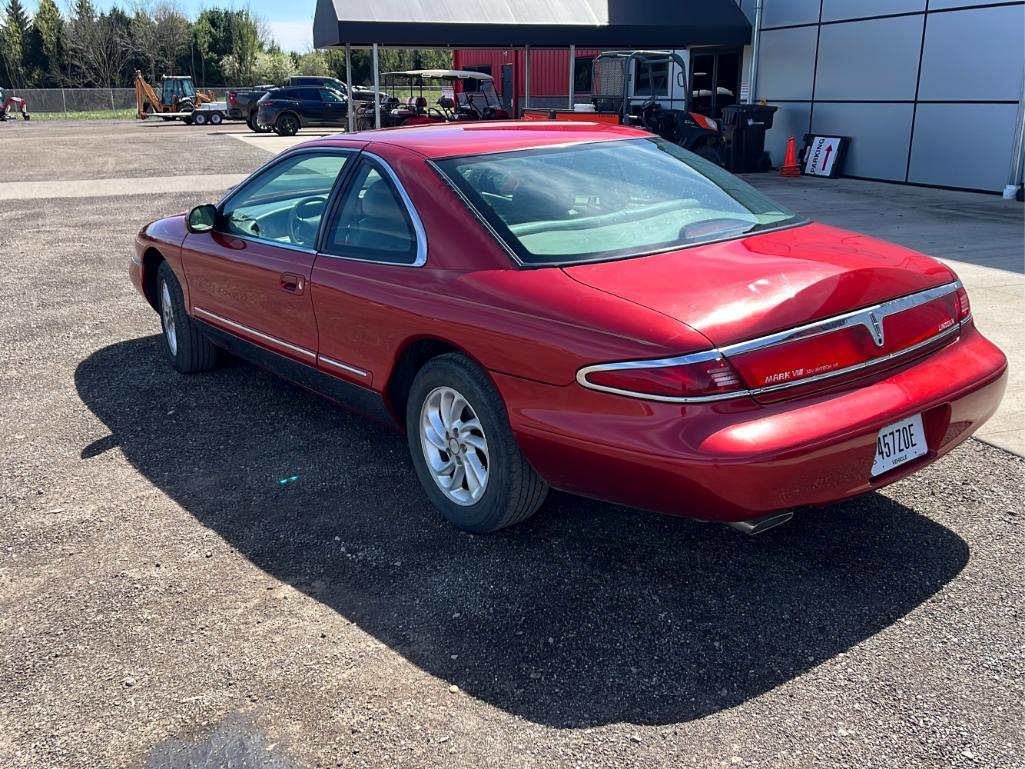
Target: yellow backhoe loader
x,y
178,98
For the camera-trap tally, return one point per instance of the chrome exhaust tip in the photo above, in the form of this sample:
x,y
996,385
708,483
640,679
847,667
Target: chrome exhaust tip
x,y
754,526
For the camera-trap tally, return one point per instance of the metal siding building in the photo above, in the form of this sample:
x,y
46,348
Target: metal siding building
x,y
929,90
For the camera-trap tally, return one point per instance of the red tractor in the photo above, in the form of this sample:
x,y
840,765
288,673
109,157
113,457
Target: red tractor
x,y
9,103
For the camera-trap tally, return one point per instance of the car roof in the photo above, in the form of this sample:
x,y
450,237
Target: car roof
x,y
486,137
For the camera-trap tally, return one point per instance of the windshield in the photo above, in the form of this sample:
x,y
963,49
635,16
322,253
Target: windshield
x,y
611,199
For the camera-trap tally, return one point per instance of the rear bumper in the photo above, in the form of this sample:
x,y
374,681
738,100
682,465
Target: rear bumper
x,y
734,460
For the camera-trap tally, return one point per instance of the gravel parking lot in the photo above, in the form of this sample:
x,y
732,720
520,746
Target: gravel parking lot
x,y
226,571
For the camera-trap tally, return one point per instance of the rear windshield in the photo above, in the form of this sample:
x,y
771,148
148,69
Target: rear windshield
x,y
612,199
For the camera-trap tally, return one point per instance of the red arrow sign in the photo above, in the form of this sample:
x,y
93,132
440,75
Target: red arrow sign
x,y
825,163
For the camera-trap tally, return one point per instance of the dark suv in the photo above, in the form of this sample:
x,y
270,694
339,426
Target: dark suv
x,y
359,93
286,110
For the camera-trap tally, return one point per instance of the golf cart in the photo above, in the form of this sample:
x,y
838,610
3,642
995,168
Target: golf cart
x,y
648,90
465,95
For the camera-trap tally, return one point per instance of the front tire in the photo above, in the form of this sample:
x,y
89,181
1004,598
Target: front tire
x,y
186,346
464,451
287,125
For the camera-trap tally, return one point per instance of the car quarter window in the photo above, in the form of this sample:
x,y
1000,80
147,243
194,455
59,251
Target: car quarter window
x,y
372,223
285,203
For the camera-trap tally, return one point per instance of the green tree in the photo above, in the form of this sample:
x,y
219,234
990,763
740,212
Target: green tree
x,y
245,36
202,39
14,36
315,63
84,10
48,24
144,43
272,67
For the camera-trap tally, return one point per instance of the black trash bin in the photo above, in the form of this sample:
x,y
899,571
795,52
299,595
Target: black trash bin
x,y
744,127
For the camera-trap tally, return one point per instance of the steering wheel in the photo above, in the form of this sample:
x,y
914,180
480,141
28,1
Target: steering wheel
x,y
701,230
301,225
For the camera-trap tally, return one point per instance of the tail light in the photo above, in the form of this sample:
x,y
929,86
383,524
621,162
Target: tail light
x,y
231,99
266,104
691,376
964,305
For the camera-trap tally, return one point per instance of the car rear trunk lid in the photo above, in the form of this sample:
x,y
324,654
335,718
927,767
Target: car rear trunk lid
x,y
796,307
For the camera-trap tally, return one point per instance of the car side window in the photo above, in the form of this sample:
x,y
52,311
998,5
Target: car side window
x,y
372,222
326,94
309,94
285,203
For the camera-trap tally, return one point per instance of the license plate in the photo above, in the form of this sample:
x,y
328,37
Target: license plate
x,y
898,444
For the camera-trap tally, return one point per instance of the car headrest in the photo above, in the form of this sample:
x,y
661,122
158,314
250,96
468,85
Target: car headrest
x,y
379,202
421,102
534,203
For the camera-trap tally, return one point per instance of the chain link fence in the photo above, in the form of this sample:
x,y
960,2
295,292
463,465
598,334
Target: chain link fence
x,y
115,101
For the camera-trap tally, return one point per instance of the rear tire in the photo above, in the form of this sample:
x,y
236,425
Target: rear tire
x,y
287,125
216,119
712,153
198,118
255,127
471,467
187,347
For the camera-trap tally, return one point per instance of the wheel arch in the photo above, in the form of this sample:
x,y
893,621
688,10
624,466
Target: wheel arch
x,y
412,356
292,113
151,261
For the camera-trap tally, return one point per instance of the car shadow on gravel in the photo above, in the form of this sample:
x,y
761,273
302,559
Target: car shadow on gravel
x,y
587,614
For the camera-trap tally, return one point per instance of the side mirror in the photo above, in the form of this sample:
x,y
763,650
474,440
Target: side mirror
x,y
202,218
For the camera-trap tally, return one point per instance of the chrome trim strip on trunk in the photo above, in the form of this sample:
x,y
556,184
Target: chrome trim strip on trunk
x,y
341,366
871,317
272,340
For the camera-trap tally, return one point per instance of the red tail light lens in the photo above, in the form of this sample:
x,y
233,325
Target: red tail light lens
x,y
266,104
964,305
231,99
671,378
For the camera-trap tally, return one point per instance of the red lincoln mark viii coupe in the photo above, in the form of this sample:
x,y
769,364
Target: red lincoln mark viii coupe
x,y
578,306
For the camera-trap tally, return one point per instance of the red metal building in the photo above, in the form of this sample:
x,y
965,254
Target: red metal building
x,y
549,73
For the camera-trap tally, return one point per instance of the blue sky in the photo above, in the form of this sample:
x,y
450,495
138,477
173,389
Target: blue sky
x,y
291,22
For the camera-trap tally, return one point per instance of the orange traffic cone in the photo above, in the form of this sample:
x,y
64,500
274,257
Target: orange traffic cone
x,y
790,167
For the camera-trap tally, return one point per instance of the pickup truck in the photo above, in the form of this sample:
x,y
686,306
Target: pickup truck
x,y
242,103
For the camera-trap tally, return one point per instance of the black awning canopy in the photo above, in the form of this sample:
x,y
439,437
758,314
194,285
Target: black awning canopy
x,y
540,23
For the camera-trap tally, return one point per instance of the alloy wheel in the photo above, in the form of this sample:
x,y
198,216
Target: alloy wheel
x,y
167,314
454,446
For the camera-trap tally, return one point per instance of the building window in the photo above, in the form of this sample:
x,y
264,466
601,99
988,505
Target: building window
x,y
583,71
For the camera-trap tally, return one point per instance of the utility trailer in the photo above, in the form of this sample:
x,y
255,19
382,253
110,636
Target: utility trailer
x,y
211,113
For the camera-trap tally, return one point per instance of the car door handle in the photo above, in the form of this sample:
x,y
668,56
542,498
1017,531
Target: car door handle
x,y
293,284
